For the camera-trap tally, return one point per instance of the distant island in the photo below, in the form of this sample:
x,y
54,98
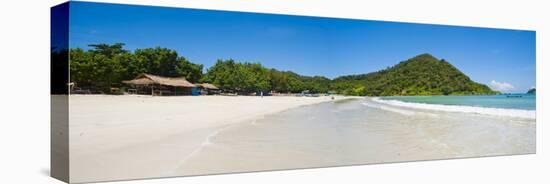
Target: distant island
x,y
105,66
532,91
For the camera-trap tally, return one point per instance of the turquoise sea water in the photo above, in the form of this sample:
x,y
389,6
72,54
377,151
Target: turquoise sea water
x,y
525,102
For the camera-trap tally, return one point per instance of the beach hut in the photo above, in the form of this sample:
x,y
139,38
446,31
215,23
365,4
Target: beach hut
x,y
158,85
208,89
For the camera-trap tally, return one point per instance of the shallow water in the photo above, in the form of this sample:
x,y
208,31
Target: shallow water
x,y
355,132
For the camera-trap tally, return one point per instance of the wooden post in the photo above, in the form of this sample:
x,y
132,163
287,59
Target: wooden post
x,y
152,90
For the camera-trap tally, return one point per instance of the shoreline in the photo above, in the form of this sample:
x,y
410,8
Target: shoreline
x,y
114,136
338,134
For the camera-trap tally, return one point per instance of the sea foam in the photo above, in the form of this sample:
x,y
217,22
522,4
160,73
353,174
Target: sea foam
x,y
516,113
398,110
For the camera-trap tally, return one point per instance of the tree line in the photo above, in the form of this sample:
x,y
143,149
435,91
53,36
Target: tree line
x,y
253,77
104,66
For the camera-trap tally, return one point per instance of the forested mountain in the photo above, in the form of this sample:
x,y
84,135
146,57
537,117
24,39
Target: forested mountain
x,y
421,75
105,66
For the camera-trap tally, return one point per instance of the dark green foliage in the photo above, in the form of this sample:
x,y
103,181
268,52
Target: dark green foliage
x,y
164,62
290,82
105,66
245,77
421,75
253,77
532,91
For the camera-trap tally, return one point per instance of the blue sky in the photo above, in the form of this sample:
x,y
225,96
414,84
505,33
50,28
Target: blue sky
x,y
502,59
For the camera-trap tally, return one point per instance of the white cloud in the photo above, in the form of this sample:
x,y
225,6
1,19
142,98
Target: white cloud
x,y
501,86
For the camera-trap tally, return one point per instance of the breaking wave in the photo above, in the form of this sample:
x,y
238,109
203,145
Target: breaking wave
x,y
516,113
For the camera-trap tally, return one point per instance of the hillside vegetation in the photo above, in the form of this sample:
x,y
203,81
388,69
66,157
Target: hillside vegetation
x,y
421,75
105,66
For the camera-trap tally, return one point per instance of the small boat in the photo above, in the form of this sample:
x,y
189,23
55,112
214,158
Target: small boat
x,y
514,96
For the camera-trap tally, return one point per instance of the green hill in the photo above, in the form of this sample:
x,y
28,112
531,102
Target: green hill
x,y
421,75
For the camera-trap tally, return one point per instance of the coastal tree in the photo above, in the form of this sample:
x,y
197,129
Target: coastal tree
x,y
244,77
104,66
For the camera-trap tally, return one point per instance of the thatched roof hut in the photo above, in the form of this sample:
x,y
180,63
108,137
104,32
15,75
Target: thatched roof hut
x,y
157,85
148,79
208,89
207,86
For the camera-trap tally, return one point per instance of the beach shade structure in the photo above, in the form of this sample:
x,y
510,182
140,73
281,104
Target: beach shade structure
x,y
158,85
208,89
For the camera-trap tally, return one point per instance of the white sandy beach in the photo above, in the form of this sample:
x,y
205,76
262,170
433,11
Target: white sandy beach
x,y
128,137
123,137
